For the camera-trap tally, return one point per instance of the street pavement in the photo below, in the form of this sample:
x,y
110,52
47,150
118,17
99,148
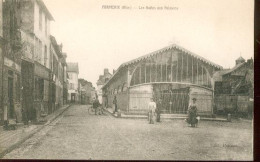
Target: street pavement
x,y
77,135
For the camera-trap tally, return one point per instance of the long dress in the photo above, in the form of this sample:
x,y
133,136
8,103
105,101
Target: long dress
x,y
192,114
152,107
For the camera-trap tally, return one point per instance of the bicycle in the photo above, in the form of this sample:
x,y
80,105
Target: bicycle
x,y
91,110
100,110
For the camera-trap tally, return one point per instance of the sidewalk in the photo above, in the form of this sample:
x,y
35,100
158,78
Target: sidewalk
x,y
10,139
163,116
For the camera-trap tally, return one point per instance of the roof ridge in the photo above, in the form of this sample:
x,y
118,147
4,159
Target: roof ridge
x,y
166,48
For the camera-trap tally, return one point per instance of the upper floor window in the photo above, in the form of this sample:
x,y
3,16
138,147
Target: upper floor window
x,y
40,19
45,55
46,25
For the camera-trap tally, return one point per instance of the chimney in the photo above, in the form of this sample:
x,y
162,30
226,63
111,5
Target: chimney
x,y
100,77
240,60
105,71
250,62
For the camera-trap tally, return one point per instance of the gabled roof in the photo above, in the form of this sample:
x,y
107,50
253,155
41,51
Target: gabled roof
x,y
240,59
217,76
234,68
167,48
160,51
41,3
72,67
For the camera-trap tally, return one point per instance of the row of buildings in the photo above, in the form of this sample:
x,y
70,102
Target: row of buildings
x,y
34,74
177,75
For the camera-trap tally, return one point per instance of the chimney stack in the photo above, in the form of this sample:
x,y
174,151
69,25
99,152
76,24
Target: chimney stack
x,y
106,71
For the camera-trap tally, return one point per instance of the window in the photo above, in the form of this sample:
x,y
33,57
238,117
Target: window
x,y
71,86
46,25
45,55
40,19
39,89
39,51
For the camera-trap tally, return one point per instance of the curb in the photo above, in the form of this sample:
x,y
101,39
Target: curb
x,y
167,118
15,145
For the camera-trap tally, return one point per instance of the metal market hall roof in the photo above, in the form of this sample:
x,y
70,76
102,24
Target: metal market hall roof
x,y
162,50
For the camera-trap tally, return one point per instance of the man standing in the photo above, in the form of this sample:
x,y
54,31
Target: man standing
x,y
158,110
115,103
152,107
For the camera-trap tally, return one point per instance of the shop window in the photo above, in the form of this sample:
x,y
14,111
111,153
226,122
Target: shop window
x,y
39,89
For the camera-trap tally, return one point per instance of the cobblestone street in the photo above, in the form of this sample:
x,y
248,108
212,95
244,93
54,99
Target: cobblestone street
x,y
78,135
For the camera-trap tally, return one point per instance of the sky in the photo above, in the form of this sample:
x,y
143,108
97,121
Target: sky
x,y
97,37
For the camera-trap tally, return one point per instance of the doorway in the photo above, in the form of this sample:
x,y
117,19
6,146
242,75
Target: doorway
x,y
73,95
10,98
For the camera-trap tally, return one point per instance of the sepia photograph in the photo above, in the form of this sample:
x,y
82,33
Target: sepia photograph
x,y
127,79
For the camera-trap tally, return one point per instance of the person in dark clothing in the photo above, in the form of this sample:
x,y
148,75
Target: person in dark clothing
x,y
96,104
192,113
158,110
115,103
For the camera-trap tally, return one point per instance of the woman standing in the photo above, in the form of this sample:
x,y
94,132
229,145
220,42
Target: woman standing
x,y
192,113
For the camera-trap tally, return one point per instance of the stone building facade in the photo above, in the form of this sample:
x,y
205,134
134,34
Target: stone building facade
x,y
58,71
101,81
234,88
86,92
25,61
73,89
11,101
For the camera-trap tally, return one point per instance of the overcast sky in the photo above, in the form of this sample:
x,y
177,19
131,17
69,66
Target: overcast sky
x,y
96,38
